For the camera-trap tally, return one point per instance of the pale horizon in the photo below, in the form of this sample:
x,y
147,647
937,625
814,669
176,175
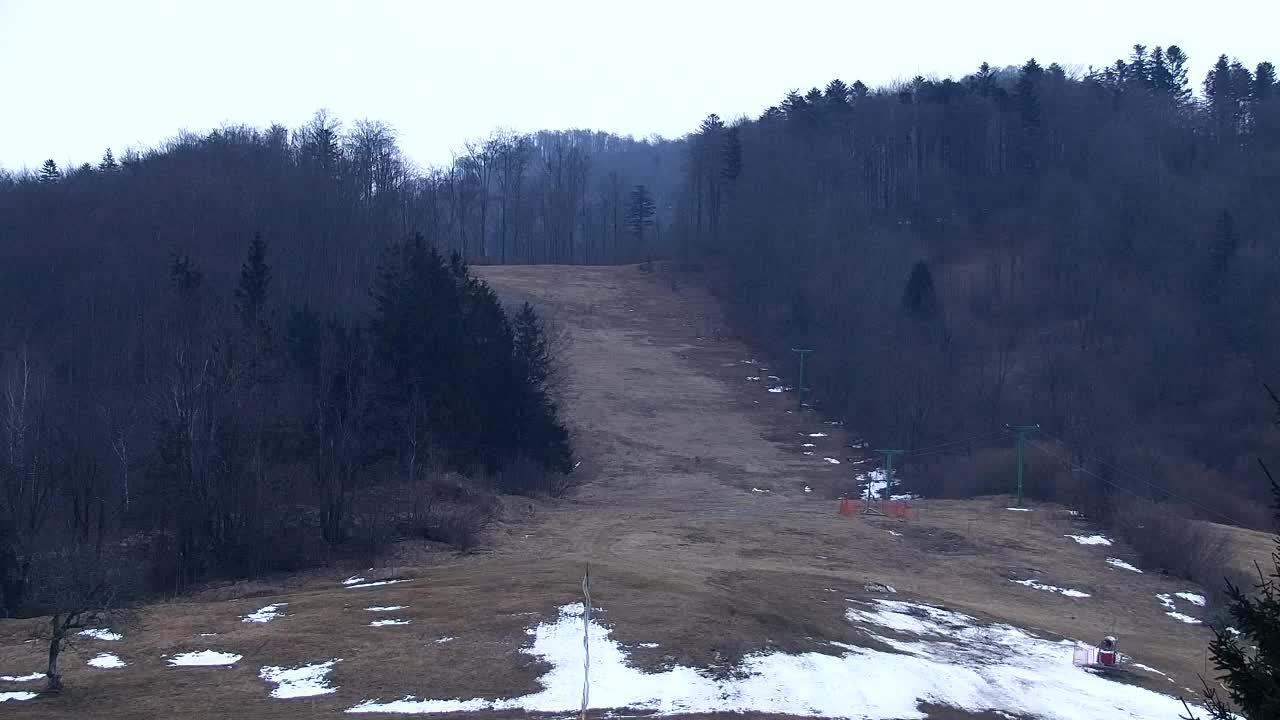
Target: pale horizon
x,y
132,74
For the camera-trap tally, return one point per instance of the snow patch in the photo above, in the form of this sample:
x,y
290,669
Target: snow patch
x,y
385,608
302,681
101,634
808,445
5,696
1148,668
353,580
376,583
1117,562
758,490
445,639
204,658
1090,539
817,434
953,661
107,661
894,533
392,621
753,377
831,460
904,496
649,645
1193,598
1019,509
264,615
22,678
808,489
1031,583
774,377
777,389
1184,618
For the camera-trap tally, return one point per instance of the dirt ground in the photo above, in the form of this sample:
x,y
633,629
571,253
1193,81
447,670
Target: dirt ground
x,y
684,550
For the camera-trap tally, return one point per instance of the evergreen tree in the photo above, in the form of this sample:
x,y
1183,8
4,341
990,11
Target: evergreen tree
x,y
836,94
251,291
858,90
1264,82
531,347
731,167
1247,654
108,162
920,298
639,212
1028,93
1176,74
49,172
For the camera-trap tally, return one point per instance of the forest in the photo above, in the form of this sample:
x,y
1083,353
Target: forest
x,y
251,350
1094,253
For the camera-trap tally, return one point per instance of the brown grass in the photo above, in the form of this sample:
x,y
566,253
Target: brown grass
x,y
673,438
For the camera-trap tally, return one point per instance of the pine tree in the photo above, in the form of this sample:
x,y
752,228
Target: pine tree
x,y
1247,654
920,298
836,94
1028,93
731,166
1264,82
108,163
1176,72
639,212
531,347
251,295
49,172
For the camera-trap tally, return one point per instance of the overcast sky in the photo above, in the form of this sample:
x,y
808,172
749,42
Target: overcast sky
x,y
77,76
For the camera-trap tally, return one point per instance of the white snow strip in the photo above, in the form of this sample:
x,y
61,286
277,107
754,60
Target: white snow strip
x,y
1148,668
22,678
1184,618
392,621
831,460
204,658
1166,601
649,645
1090,539
5,696
758,490
774,377
107,661
808,445
101,634
353,580
1193,598
264,615
376,584
445,639
385,608
303,681
1117,562
817,434
1050,588
808,452
776,389
1234,632
749,361
753,377
808,489
894,533
952,661
904,496
1019,509
207,635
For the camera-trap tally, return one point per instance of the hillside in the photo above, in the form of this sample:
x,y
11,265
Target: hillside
x,y
710,536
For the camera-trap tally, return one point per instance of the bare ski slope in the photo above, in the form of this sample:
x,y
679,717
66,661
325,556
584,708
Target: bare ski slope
x,y
724,577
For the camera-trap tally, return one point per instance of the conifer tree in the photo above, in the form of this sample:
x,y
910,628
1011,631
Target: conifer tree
x,y
49,172
1247,654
